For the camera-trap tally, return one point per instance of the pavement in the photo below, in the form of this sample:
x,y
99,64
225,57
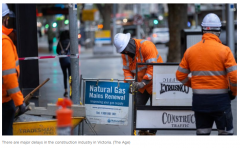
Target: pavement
x,y
96,65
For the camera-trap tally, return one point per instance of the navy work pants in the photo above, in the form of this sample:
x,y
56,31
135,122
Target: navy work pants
x,y
223,121
8,112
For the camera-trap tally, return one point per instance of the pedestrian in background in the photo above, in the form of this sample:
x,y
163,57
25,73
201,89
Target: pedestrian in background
x,y
50,35
63,48
138,51
213,81
11,94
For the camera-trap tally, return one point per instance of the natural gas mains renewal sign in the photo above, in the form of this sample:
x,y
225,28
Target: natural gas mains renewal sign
x,y
107,102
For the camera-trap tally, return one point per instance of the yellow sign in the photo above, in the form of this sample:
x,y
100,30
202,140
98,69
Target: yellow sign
x,y
103,34
88,15
47,127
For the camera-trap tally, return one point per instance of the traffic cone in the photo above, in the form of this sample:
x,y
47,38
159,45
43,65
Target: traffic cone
x,y
64,117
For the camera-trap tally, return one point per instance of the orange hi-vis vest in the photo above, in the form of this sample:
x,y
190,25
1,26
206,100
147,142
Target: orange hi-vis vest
x,y
10,71
212,66
146,52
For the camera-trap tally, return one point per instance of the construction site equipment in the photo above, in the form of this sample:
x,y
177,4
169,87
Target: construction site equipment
x,y
64,115
29,96
42,120
43,127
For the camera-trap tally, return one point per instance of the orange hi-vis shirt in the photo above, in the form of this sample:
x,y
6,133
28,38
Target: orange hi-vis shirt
x,y
212,66
146,52
10,70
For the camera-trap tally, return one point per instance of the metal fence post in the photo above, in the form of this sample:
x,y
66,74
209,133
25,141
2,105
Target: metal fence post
x,y
74,53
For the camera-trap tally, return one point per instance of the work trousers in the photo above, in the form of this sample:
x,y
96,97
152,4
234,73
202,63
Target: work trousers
x,y
142,99
8,112
65,68
223,121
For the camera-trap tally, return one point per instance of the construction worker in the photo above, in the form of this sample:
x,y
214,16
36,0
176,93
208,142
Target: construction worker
x,y
138,51
213,79
11,94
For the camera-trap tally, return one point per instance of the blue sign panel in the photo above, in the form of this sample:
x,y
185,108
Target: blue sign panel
x,y
107,102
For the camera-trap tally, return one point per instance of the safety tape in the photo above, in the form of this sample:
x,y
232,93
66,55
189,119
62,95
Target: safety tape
x,y
49,57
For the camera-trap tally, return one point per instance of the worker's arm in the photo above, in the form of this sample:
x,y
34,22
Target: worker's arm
x,y
150,55
9,73
127,73
231,67
183,71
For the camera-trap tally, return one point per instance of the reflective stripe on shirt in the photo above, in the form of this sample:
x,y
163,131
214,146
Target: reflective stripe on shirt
x,y
151,60
185,80
149,76
210,91
183,70
126,67
208,73
129,77
139,69
13,90
9,71
127,59
17,63
232,68
140,50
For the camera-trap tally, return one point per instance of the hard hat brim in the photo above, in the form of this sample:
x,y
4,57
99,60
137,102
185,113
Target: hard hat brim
x,y
126,41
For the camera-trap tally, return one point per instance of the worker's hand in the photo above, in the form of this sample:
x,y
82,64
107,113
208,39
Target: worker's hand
x,y
22,108
138,85
231,96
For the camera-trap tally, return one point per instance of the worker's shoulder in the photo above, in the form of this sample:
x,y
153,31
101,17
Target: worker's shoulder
x,y
193,47
6,39
6,43
147,44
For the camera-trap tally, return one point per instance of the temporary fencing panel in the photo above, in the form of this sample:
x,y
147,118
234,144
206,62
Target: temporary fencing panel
x,y
171,102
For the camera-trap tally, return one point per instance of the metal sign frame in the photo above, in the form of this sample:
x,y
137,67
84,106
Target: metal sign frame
x,y
82,89
150,107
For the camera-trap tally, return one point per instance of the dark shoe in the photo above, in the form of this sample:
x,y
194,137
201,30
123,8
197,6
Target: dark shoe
x,y
65,94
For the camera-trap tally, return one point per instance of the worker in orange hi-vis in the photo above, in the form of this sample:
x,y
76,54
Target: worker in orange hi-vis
x,y
11,94
213,81
138,51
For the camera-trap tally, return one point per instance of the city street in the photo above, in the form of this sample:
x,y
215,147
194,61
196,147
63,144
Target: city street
x,y
103,66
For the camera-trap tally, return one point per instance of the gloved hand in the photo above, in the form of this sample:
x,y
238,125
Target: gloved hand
x,y
22,108
232,97
138,85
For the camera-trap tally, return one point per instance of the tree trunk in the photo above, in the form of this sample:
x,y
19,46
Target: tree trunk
x,y
177,20
106,12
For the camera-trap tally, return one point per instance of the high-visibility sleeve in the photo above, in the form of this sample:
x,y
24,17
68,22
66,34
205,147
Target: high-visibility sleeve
x,y
9,73
231,68
127,73
150,55
183,71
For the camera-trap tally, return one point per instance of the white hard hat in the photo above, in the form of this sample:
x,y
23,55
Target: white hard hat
x,y
5,9
211,22
121,40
